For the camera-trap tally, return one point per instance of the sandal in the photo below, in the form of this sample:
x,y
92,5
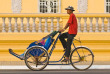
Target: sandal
x,y
64,60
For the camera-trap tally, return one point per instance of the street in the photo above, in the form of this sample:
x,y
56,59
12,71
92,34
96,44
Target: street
x,y
93,71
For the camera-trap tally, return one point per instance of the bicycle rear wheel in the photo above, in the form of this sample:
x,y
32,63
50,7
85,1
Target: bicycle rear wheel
x,y
36,58
81,58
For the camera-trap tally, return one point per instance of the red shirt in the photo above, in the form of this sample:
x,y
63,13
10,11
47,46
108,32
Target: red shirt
x,y
72,24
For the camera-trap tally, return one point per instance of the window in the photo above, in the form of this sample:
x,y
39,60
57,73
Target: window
x,y
49,6
107,6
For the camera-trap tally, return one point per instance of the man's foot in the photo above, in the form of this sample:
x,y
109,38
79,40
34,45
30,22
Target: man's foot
x,y
65,60
16,55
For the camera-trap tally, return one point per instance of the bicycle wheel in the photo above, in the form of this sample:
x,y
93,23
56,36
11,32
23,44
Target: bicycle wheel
x,y
81,58
36,58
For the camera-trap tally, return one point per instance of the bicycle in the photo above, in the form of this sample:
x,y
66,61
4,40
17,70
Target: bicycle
x,y
37,57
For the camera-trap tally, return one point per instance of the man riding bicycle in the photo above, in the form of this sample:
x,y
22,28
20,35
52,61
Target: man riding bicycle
x,y
72,24
72,32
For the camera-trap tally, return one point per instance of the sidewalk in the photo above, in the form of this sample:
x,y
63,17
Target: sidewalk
x,y
55,67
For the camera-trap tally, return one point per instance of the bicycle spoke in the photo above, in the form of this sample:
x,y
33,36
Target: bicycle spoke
x,y
38,59
32,57
75,56
81,58
31,62
75,59
88,55
83,52
75,62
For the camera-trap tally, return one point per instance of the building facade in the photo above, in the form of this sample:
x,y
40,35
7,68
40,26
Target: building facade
x,y
54,6
25,21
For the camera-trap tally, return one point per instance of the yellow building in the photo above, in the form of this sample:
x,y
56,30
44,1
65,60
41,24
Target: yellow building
x,y
24,21
33,6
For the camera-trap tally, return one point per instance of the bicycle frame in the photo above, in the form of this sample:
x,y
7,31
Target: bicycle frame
x,y
54,45
63,54
74,53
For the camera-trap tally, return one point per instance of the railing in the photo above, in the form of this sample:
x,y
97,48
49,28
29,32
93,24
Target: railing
x,y
49,22
20,26
93,22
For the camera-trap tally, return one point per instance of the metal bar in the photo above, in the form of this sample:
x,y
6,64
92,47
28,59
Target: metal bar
x,y
58,60
54,45
59,64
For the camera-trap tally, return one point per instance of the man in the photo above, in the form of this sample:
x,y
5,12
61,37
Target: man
x,y
72,32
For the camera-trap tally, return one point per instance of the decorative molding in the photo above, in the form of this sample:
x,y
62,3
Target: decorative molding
x,y
16,6
82,6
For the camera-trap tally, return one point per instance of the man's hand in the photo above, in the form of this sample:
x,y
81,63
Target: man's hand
x,y
62,30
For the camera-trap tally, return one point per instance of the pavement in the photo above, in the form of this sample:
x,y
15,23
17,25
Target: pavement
x,y
53,67
93,71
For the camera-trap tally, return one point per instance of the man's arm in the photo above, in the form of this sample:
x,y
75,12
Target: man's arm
x,y
66,26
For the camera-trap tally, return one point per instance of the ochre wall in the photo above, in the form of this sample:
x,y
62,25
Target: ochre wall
x,y
31,6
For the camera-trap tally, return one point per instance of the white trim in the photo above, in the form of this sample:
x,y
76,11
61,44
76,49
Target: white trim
x,y
105,6
59,6
38,6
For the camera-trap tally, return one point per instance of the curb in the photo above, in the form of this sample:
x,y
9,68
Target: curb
x,y
55,67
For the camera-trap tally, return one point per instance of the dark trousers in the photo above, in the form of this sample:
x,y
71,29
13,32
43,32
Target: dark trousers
x,y
67,44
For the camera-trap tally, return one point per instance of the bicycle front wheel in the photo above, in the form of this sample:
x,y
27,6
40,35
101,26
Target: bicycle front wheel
x,y
81,58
